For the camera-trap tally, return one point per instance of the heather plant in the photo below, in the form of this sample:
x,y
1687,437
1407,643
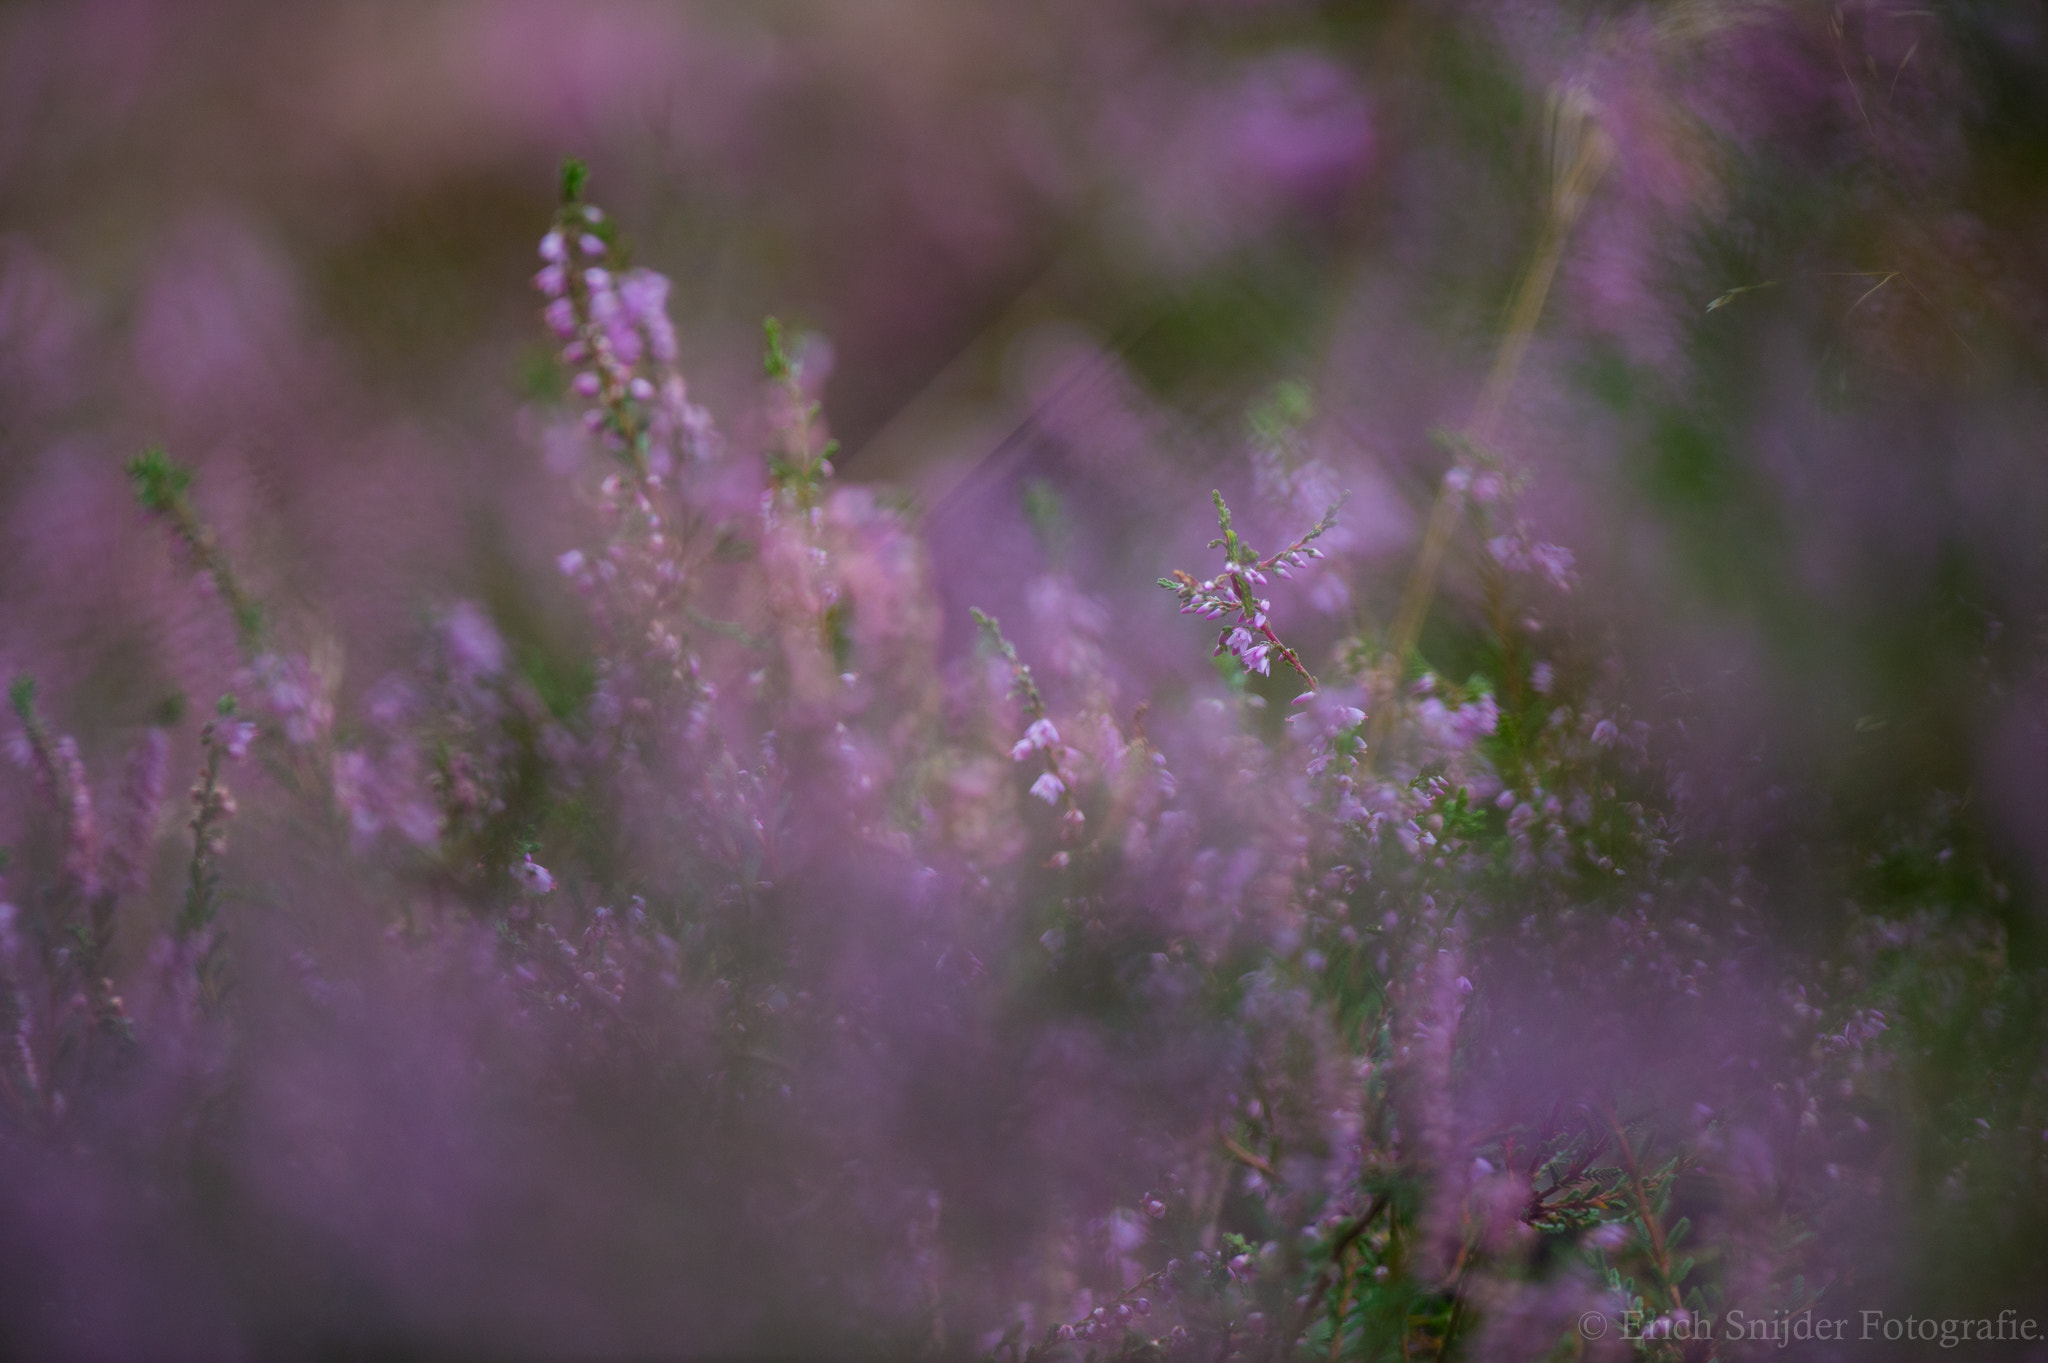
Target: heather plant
x,y
746,969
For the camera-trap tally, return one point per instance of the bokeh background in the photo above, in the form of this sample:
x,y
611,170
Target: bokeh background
x,y
1784,401
1073,243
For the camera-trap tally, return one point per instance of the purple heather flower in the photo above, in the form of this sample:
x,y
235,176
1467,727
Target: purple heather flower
x,y
1049,788
1555,561
475,648
552,248
645,295
236,737
611,312
536,878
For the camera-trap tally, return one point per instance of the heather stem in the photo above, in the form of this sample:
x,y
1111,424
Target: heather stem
x,y
160,486
1639,1197
1570,192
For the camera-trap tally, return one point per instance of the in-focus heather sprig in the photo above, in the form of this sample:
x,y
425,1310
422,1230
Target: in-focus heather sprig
x,y
1231,595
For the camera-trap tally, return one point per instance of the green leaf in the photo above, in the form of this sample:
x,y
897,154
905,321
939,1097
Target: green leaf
x,y
574,175
159,483
775,360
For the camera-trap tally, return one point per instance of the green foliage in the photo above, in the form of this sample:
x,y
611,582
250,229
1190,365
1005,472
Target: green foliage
x,y
21,694
159,484
775,357
575,175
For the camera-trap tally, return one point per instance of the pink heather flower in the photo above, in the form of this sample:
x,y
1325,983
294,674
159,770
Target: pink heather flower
x,y
645,295
475,648
571,563
586,385
535,877
1555,561
609,311
295,695
552,249
592,244
1041,734
560,316
551,280
352,781
1049,788
236,737
81,831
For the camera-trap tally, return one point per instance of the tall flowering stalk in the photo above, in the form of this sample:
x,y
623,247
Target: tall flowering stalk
x,y
617,340
1054,784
